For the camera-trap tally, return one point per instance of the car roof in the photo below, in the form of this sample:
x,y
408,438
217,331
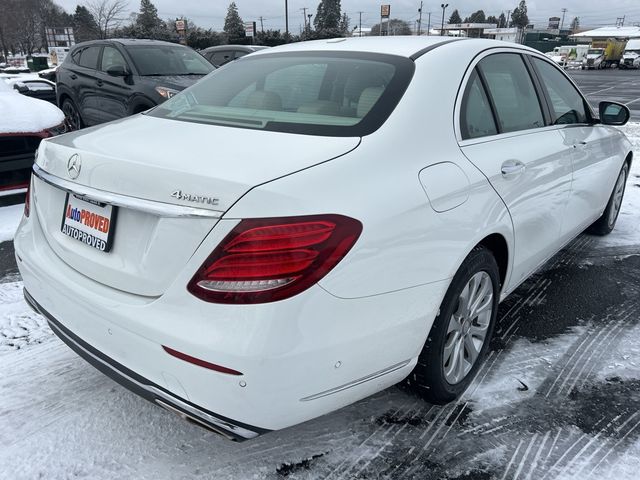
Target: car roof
x,y
243,48
128,41
406,46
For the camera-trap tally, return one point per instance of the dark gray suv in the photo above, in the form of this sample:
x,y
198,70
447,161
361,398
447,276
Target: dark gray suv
x,y
104,80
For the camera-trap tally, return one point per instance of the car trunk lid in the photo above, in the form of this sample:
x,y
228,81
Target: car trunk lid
x,y
169,181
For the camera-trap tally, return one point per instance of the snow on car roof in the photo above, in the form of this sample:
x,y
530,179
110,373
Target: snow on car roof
x,y
20,114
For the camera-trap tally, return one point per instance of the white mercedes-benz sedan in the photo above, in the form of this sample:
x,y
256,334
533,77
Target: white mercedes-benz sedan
x,y
316,222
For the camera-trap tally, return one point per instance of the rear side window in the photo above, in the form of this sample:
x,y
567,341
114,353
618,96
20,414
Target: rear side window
x,y
476,118
512,91
567,105
75,56
89,57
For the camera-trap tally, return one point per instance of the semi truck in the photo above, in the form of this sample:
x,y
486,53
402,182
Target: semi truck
x,y
604,54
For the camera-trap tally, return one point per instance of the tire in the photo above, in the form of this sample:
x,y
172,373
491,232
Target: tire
x,y
72,115
435,377
607,222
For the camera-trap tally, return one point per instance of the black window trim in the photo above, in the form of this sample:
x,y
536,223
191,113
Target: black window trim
x,y
591,117
464,128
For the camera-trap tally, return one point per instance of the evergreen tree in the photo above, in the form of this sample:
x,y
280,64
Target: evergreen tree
x,y
328,19
492,19
148,24
233,26
519,15
455,17
502,21
85,26
477,17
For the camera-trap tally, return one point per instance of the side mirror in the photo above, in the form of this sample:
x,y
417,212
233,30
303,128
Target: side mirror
x,y
21,88
613,113
118,71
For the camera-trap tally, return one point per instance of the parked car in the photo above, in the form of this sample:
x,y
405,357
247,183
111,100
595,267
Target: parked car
x,y
277,242
24,122
34,87
105,80
222,54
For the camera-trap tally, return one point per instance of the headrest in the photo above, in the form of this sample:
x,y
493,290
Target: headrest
x,y
264,100
368,98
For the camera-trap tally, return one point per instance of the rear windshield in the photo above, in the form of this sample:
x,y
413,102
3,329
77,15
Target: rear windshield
x,y
313,93
160,60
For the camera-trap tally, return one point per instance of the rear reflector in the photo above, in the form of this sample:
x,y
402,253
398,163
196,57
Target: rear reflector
x,y
200,363
27,200
264,260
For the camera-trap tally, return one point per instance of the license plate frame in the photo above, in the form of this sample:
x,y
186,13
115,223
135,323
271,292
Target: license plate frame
x,y
79,224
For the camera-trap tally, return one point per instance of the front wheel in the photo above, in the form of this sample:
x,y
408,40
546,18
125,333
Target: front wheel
x,y
460,335
605,224
71,114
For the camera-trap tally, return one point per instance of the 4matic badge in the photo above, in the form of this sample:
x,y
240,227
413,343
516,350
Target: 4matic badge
x,y
189,197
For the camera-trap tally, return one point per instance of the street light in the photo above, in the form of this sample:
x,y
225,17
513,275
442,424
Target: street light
x,y
444,7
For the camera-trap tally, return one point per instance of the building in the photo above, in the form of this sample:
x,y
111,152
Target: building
x,y
470,30
604,33
504,34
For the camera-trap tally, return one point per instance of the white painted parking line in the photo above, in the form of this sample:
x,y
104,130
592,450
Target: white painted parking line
x,y
598,91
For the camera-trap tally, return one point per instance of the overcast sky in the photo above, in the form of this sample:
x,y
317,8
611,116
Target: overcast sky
x,y
211,13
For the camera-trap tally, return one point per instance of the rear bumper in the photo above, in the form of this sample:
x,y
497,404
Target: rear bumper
x,y
129,379
300,358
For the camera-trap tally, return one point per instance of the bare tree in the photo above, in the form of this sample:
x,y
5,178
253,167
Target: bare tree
x,y
107,13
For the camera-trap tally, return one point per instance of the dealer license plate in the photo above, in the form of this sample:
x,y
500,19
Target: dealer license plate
x,y
89,222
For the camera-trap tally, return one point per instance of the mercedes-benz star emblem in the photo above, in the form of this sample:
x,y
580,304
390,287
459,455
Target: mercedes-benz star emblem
x,y
73,166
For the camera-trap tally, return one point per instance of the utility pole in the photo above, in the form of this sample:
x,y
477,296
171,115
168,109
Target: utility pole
x,y
620,21
286,18
420,19
261,25
310,15
508,17
564,10
304,16
444,7
360,27
429,24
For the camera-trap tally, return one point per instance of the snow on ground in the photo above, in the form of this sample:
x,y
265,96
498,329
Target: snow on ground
x,y
19,113
9,219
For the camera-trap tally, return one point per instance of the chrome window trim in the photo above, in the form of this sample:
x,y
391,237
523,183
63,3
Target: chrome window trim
x,y
160,209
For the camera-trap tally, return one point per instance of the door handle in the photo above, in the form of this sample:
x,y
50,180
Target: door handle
x,y
579,144
512,167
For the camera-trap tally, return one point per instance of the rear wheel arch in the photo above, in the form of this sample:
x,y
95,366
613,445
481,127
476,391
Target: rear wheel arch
x,y
499,248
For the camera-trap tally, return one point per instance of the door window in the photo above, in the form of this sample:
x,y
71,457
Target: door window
x,y
89,57
567,105
111,57
514,96
476,117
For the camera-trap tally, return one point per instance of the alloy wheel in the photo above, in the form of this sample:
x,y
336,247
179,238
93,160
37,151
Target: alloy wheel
x,y
467,328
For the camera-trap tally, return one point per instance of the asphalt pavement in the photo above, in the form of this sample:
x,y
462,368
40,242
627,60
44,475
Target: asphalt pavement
x,y
619,85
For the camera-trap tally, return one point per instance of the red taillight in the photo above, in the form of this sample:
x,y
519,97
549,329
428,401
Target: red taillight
x,y
27,200
264,260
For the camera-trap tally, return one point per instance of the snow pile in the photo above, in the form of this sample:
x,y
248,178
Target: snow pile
x,y
9,219
19,325
20,114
